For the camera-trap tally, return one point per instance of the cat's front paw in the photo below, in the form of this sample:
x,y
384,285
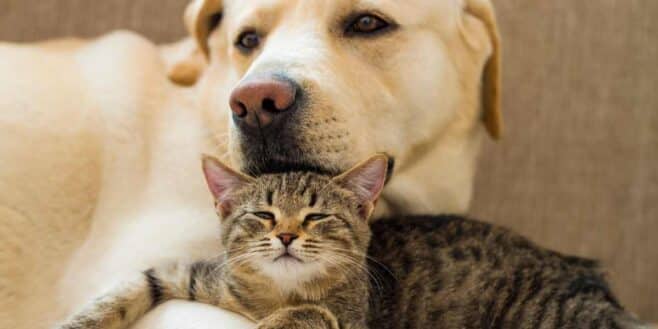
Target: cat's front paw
x,y
301,317
268,326
300,324
281,323
288,325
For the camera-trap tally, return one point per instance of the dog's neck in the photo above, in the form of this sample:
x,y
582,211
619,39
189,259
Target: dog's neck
x,y
440,180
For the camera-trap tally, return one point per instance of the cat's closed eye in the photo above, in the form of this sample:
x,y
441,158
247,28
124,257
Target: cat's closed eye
x,y
315,217
266,215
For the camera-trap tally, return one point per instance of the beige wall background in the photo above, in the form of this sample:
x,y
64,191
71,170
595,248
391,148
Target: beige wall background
x,y
578,168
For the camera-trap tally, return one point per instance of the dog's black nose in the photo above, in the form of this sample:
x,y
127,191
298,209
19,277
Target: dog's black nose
x,y
259,102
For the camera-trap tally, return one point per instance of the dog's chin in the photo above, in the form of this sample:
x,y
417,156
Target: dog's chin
x,y
262,166
285,149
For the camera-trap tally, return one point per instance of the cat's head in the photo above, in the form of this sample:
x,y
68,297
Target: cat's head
x,y
296,226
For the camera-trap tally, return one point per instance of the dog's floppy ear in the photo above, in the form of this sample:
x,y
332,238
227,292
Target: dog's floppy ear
x,y
201,17
491,111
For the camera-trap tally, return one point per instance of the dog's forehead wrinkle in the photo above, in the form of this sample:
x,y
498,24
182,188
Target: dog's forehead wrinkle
x,y
240,12
292,50
291,13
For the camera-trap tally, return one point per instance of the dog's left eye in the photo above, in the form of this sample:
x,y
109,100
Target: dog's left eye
x,y
367,24
248,40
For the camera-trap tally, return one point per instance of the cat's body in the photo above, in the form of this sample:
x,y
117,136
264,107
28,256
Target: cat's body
x,y
450,272
298,249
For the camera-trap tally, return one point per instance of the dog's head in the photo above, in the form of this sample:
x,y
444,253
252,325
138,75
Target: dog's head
x,y
317,84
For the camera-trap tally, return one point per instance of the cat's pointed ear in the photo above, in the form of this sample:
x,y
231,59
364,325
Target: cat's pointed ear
x,y
367,181
222,182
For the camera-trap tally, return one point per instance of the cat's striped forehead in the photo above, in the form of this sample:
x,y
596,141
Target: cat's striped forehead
x,y
292,191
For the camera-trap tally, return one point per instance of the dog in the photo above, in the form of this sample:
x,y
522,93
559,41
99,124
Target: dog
x,y
100,175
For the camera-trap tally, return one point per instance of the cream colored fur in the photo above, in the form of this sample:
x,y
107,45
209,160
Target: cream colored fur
x,y
100,154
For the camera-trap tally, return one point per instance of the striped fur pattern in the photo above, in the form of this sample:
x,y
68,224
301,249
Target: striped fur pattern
x,y
451,272
420,272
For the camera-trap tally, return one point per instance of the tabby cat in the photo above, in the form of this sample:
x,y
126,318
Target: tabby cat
x,y
299,254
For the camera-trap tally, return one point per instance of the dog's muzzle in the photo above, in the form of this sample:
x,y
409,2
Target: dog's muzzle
x,y
267,111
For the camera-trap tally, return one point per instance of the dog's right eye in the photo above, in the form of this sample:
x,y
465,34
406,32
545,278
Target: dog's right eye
x,y
248,41
367,25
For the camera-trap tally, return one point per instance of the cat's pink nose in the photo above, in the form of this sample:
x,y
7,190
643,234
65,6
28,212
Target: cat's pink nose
x,y
287,238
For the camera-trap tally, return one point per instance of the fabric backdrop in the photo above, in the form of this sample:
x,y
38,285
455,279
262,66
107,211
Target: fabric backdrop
x,y
578,168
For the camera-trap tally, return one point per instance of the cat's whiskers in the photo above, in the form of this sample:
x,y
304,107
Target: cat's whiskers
x,y
356,258
245,253
232,260
340,260
309,255
358,254
361,266
341,263
340,266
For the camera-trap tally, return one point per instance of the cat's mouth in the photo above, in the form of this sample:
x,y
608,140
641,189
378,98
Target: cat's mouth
x,y
286,256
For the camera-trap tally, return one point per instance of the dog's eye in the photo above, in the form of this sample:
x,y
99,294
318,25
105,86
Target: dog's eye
x,y
315,217
264,215
367,24
248,40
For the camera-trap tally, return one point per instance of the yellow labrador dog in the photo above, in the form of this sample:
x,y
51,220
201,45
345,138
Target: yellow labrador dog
x,y
99,152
